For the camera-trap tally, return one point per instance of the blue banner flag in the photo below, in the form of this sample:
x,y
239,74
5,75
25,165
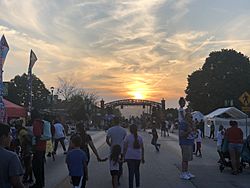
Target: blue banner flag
x,y
4,48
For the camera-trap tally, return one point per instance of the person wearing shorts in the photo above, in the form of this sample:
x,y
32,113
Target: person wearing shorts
x,y
186,141
234,136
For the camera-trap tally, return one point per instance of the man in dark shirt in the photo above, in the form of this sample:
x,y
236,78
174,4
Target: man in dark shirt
x,y
10,166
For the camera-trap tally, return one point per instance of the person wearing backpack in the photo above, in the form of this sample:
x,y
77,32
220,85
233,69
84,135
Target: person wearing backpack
x,y
47,136
39,148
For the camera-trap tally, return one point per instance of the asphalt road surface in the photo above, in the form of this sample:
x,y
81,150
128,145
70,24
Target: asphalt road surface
x,y
162,169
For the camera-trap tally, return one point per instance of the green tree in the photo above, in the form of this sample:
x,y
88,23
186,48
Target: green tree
x,y
171,113
81,106
225,75
76,108
18,91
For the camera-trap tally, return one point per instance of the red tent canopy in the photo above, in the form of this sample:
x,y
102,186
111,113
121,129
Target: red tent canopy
x,y
13,110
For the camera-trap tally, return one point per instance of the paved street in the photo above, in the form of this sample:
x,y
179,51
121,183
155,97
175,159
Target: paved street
x,y
162,169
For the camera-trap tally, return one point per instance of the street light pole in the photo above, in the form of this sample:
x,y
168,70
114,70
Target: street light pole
x,y
52,97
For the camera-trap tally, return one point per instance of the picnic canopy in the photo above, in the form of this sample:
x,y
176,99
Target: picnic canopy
x,y
14,110
230,112
223,116
197,115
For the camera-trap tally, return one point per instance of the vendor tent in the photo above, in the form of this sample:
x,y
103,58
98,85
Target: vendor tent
x,y
197,115
13,110
230,112
223,116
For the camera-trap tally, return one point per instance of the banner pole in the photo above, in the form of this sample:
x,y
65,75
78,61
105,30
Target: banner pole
x,y
2,106
30,92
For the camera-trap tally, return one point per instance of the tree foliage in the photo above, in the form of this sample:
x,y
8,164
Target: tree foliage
x,y
81,107
66,88
76,108
18,91
225,75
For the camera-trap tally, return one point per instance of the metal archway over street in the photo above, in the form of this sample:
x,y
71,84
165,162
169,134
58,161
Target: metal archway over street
x,y
132,102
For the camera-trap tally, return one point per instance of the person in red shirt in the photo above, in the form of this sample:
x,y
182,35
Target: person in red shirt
x,y
39,150
234,136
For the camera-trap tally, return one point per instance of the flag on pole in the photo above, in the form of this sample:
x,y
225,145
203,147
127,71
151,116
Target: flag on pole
x,y
33,59
4,48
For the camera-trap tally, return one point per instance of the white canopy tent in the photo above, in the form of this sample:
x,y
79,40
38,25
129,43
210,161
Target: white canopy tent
x,y
222,116
197,115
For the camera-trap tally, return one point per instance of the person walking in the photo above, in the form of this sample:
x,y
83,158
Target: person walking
x,y
11,169
198,143
39,150
25,139
51,142
116,136
202,128
220,140
186,139
59,136
234,136
212,129
86,141
154,139
76,160
163,129
134,155
114,160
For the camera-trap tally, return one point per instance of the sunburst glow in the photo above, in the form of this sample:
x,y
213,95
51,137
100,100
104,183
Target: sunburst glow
x,y
138,89
138,95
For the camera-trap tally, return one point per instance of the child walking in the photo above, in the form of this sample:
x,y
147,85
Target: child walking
x,y
114,160
198,143
77,163
154,139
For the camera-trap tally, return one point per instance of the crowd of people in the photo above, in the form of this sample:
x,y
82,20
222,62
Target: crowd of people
x,y
229,141
123,148
23,152
30,145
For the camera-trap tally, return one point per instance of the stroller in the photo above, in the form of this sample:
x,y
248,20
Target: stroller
x,y
224,156
245,154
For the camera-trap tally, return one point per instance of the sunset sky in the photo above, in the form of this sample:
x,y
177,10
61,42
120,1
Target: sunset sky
x,y
121,48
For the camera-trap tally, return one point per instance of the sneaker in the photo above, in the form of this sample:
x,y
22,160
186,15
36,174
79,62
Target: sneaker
x,y
185,176
190,175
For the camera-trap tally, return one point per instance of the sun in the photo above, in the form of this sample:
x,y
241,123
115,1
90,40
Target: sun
x,y
138,95
138,89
